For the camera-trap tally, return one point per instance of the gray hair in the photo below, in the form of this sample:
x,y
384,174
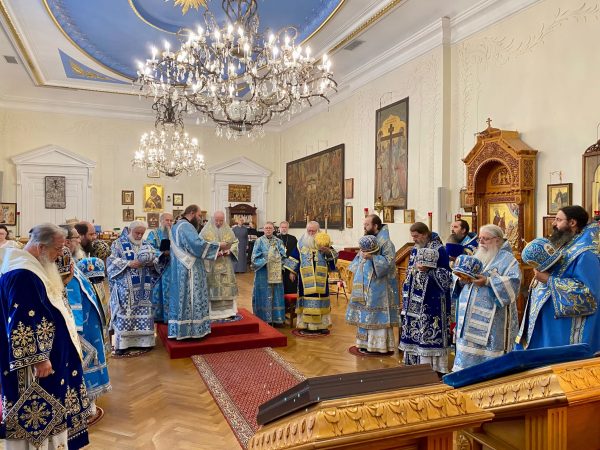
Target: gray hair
x,y
162,216
45,234
284,221
314,222
136,224
494,230
69,229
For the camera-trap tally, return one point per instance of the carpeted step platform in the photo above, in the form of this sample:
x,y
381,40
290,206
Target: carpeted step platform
x,y
250,332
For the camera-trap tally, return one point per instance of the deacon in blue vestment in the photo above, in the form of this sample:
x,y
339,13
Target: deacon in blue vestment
x,y
44,399
267,262
160,292
133,268
487,306
89,316
562,307
425,335
311,262
374,302
241,234
188,300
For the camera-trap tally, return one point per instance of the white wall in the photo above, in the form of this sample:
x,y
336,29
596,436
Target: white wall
x,y
111,143
535,72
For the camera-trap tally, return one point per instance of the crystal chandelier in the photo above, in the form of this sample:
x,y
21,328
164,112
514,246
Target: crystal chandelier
x,y
235,76
168,149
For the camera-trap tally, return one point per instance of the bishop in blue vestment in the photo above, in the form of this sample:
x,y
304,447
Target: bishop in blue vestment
x,y
562,307
425,335
188,299
268,255
487,307
312,262
44,399
133,268
374,301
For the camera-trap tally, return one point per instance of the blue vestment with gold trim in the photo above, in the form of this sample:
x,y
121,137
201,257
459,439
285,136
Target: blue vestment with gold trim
x,y
564,310
312,267
34,330
267,297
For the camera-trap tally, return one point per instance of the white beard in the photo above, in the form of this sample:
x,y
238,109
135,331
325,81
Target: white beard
x,y
420,245
137,242
308,241
55,282
79,254
486,256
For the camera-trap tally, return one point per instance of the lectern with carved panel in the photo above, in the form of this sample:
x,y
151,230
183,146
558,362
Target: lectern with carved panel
x,y
501,184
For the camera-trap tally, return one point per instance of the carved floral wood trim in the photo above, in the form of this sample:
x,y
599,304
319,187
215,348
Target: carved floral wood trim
x,y
408,413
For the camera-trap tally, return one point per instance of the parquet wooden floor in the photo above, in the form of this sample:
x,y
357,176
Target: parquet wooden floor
x,y
159,403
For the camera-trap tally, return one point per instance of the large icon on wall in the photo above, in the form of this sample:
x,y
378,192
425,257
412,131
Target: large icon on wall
x,y
506,216
391,154
591,179
55,192
239,193
315,189
153,198
8,214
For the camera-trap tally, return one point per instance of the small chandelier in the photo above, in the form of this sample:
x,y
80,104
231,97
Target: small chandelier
x,y
168,149
234,76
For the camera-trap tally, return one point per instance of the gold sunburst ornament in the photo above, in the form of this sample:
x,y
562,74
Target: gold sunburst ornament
x,y
187,4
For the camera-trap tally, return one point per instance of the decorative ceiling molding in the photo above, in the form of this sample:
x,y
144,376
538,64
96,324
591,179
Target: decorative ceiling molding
x,y
471,21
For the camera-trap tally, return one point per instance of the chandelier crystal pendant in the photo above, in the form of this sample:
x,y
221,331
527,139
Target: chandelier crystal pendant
x,y
168,149
235,76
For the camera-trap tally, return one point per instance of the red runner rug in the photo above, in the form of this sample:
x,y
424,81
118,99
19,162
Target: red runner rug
x,y
242,380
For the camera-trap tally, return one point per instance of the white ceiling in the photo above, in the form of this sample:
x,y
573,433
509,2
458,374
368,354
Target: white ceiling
x,y
393,31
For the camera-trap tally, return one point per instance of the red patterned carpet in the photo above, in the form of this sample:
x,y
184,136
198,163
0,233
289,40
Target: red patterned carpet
x,y
242,380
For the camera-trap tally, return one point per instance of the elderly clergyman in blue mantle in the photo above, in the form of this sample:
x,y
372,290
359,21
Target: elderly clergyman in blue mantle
x,y
374,301
133,268
487,305
268,255
562,307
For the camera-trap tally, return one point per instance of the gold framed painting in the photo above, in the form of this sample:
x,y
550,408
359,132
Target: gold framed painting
x,y
591,179
153,197
388,214
153,220
548,221
349,188
140,218
558,196
391,154
128,215
8,214
349,216
127,197
239,193
177,199
409,216
177,213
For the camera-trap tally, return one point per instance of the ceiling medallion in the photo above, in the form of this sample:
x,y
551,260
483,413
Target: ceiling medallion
x,y
236,77
187,4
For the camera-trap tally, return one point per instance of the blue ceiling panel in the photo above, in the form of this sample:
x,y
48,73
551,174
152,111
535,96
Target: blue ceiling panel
x,y
117,33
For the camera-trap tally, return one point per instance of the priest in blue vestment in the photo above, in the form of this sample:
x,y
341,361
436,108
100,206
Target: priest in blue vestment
x,y
487,306
562,307
311,262
268,255
160,292
374,301
426,315
89,320
467,239
44,399
133,268
188,299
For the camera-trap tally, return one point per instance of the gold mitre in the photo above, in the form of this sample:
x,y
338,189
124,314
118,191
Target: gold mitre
x,y
322,239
